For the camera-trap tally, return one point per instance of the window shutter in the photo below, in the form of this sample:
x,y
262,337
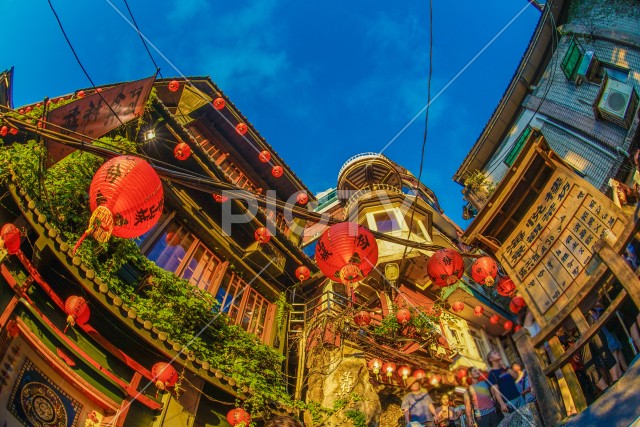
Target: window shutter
x,y
572,59
517,147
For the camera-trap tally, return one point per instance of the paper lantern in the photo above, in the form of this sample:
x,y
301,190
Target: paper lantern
x,y
219,103
77,311
4,130
10,238
302,198
80,94
241,128
302,273
403,316
346,252
435,380
262,235
264,156
494,319
362,318
389,368
238,416
28,110
182,151
174,85
13,131
419,374
461,373
484,270
164,375
505,286
126,199
277,171
220,198
172,239
13,330
404,372
375,365
445,267
508,325
478,310
517,303
517,328
457,306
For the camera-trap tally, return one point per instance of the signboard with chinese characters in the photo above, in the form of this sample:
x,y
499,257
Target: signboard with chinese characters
x,y
548,252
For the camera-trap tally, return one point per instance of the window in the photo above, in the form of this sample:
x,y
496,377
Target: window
x,y
572,59
613,72
386,221
169,250
517,146
201,267
480,343
255,313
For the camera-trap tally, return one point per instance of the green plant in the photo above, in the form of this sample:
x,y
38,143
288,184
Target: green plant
x,y
477,181
283,309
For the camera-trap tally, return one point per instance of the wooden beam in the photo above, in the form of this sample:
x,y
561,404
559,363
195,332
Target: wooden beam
x,y
623,272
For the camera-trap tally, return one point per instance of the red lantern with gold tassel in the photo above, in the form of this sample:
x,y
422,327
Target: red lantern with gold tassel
x,y
182,151
404,372
494,319
346,252
484,270
375,365
277,171
241,128
238,416
10,238
457,306
164,375
508,325
362,318
77,311
219,103
517,304
174,85
403,316
445,267
389,368
419,374
126,199
302,198
478,310
264,156
302,273
262,235
505,286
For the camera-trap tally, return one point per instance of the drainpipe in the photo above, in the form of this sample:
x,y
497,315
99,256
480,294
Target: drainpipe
x,y
583,139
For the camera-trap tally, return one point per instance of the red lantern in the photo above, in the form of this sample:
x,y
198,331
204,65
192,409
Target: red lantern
x,y
164,374
457,306
505,286
461,373
10,238
21,111
220,198
419,374
302,198
346,252
375,365
28,110
478,310
484,271
445,267
12,329
494,319
262,235
302,273
219,103
517,304
507,325
182,151
389,368
13,131
80,94
238,416
172,239
362,318
435,380
517,328
404,372
126,199
174,85
277,171
403,316
77,311
241,128
264,156
4,130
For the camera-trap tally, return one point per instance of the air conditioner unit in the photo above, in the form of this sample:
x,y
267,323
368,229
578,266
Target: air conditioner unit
x,y
617,102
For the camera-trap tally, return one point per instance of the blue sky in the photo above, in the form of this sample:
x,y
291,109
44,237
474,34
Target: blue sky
x,y
321,81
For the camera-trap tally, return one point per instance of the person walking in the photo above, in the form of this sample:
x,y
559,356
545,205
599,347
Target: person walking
x,y
417,405
523,383
503,384
484,408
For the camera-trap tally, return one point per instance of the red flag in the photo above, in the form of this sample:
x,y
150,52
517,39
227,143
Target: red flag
x,y
91,115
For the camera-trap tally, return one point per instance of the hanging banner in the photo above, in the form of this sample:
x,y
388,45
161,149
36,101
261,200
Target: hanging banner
x,y
97,114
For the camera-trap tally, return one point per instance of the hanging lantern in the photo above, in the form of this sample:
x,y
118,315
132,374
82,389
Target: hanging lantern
x,y
4,130
21,111
457,306
126,199
403,316
28,110
10,238
517,328
182,151
172,239
375,365
404,372
302,198
174,85
13,131
478,310
419,374
164,374
80,94
494,319
277,171
445,267
77,311
505,286
435,380
12,329
389,368
238,416
362,318
346,252
220,198
461,373
219,103
517,303
264,156
302,273
241,128
262,235
508,325
484,270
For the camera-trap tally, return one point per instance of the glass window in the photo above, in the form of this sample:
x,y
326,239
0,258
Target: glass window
x,y
255,313
169,250
201,267
480,344
386,221
228,297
